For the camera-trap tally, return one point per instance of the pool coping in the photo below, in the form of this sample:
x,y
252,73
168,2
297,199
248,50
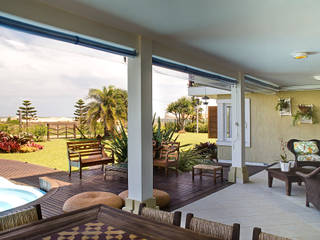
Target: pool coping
x,y
49,185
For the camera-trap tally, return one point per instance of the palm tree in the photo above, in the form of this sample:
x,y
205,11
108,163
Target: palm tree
x,y
108,105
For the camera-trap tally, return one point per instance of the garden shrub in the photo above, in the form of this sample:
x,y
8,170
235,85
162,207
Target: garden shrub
x,y
187,159
192,127
39,132
207,150
11,144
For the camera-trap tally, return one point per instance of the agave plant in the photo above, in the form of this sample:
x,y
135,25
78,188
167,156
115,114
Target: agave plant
x,y
119,144
163,135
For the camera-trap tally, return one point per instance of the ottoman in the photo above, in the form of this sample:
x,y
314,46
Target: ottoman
x,y
209,168
87,199
162,197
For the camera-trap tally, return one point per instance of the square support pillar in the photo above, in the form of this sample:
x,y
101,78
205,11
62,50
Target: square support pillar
x,y
238,171
140,164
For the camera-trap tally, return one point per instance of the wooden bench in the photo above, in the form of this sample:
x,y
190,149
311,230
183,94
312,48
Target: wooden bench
x,y
87,153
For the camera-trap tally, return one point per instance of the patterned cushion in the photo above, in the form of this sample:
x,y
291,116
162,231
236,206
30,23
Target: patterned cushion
x,y
305,147
18,218
308,157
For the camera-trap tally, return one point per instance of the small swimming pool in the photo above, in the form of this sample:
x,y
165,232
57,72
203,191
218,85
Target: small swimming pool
x,y
13,195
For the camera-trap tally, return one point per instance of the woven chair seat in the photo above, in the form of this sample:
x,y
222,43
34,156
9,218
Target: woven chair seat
x,y
210,228
207,167
21,217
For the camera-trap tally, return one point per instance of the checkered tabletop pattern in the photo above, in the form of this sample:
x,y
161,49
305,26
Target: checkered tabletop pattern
x,y
94,230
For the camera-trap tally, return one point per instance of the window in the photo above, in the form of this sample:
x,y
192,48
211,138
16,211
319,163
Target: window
x,y
225,122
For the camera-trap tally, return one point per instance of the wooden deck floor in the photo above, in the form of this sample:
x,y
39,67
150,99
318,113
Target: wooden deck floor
x,y
181,189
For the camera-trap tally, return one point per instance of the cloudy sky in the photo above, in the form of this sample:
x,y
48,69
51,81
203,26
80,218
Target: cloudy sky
x,y
54,75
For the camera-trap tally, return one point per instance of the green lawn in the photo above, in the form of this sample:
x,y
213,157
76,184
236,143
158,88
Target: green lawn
x,y
54,154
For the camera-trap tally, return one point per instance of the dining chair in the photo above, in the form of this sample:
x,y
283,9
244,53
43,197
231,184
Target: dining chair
x,y
259,235
21,217
213,229
160,216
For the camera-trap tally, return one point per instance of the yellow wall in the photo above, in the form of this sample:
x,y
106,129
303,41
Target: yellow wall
x,y
268,127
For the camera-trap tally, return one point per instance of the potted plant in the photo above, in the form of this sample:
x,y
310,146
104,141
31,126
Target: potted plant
x,y
282,104
304,114
285,164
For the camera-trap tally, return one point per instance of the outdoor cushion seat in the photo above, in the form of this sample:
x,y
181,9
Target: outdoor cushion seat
x,y
206,167
87,199
162,197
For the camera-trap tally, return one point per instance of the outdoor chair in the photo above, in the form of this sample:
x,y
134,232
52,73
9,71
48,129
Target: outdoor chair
x,y
21,217
213,229
88,153
169,156
258,235
312,182
306,152
160,216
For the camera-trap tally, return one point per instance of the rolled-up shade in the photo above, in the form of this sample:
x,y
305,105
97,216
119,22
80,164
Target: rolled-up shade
x,y
66,37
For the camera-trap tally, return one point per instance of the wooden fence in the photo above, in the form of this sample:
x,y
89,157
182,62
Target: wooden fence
x,y
62,130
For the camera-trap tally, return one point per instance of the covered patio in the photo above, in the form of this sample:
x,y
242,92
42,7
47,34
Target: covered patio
x,y
243,48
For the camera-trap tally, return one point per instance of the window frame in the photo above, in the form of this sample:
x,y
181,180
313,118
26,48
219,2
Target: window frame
x,y
223,140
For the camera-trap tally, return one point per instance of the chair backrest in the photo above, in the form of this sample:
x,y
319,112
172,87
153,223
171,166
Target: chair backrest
x,y
306,152
258,235
213,229
170,150
18,218
84,148
160,216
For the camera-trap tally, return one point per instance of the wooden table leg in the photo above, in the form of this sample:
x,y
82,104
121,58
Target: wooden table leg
x,y
214,177
221,171
270,179
288,187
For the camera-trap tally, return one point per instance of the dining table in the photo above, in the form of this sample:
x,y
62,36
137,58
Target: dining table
x,y
100,222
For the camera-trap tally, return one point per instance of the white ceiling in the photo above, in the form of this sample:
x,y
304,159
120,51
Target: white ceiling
x,y
258,36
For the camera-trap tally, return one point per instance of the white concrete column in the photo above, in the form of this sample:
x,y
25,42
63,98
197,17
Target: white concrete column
x,y
140,164
238,171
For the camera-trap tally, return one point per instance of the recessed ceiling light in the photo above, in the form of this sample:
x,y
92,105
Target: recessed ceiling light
x,y
317,77
300,55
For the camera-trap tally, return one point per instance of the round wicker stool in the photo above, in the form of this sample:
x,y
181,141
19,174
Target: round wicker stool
x,y
162,197
87,199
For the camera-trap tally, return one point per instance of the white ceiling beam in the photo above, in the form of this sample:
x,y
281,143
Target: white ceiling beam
x,y
300,88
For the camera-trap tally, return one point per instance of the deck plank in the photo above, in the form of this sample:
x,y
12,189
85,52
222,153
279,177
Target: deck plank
x,y
181,189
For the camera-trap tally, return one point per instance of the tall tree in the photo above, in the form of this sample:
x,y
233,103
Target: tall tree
x,y
182,109
196,103
80,114
108,106
27,112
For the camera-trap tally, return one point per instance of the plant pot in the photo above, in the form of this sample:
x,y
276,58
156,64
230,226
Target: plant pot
x,y
285,166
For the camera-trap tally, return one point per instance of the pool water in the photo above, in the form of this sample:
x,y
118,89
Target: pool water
x,y
13,195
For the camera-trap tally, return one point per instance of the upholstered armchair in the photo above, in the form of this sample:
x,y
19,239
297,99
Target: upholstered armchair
x,y
312,182
306,152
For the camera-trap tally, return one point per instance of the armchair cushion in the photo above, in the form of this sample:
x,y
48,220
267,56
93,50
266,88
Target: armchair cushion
x,y
305,147
308,157
306,150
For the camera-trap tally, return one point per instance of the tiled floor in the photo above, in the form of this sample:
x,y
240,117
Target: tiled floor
x,y
255,204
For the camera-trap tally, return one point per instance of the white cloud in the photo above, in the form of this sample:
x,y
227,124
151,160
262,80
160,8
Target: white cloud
x,y
53,75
